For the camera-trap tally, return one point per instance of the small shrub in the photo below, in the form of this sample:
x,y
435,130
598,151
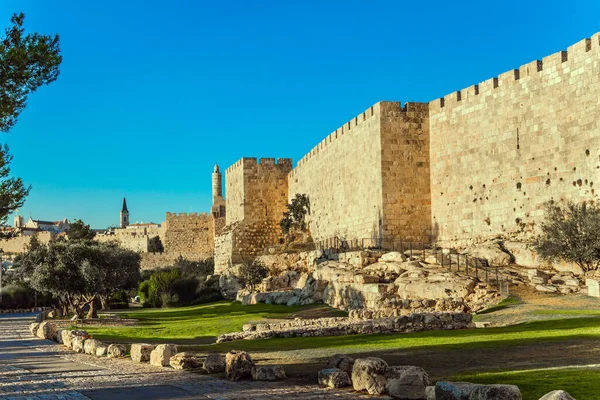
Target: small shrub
x,y
571,232
252,274
295,216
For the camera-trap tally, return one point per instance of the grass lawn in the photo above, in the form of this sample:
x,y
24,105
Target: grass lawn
x,y
195,324
581,383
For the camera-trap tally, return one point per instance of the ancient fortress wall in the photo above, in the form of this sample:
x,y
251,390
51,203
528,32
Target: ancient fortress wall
x,y
161,260
342,178
370,177
188,233
19,244
234,190
502,148
405,168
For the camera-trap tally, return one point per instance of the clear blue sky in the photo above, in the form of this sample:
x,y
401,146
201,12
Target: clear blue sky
x,y
152,93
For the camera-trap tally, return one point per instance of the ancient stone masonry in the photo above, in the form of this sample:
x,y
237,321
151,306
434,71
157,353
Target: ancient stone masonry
x,y
188,233
476,164
502,148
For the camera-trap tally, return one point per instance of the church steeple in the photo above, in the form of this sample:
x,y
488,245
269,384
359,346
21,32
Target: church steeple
x,y
124,215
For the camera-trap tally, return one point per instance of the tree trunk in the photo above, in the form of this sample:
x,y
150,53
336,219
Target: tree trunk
x,y
93,312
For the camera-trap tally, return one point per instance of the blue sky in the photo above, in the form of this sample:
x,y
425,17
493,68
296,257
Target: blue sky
x,y
153,93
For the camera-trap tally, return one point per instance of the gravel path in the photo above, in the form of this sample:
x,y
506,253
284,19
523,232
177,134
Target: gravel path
x,y
32,368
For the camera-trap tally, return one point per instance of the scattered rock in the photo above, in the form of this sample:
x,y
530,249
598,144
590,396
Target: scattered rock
x,y
238,365
493,392
369,374
185,361
557,395
406,382
90,346
161,355
47,330
33,328
101,350
68,336
393,256
334,378
493,253
342,362
453,390
115,351
77,343
430,393
214,364
59,336
140,352
268,373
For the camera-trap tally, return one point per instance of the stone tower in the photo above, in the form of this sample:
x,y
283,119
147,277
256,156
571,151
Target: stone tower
x,y
124,214
217,191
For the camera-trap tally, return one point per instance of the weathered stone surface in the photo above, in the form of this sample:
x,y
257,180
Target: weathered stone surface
x,y
161,355
115,351
140,352
238,365
101,350
430,393
334,378
228,282
593,286
557,395
406,382
186,361
33,328
369,374
268,373
342,362
214,363
453,390
493,253
393,256
495,392
68,336
90,346
77,343
47,330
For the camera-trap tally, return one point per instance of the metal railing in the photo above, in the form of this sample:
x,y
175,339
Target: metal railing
x,y
475,267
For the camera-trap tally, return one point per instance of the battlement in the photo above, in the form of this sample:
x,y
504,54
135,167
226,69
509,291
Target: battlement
x,y
382,108
185,215
547,66
249,162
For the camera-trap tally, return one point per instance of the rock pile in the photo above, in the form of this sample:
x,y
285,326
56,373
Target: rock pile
x,y
348,326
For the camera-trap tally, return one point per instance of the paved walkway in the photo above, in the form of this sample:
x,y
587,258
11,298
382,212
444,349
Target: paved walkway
x,y
32,368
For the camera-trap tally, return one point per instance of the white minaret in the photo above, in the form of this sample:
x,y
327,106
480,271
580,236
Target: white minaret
x,y
217,191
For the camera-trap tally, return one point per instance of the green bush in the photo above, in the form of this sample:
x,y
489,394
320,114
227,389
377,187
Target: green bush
x,y
252,274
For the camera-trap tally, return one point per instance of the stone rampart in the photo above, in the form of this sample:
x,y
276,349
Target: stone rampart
x,y
188,233
161,260
502,148
19,244
370,177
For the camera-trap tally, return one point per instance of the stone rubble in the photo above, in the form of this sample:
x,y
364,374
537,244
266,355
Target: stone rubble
x,y
238,365
268,373
185,361
334,378
161,355
214,363
115,351
140,352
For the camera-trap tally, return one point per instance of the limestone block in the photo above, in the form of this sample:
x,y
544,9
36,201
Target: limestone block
x,y
492,392
557,395
593,286
268,373
341,362
140,352
406,382
185,360
214,364
101,350
334,378
47,330
33,328
369,374
161,355
238,365
77,343
115,351
393,256
90,346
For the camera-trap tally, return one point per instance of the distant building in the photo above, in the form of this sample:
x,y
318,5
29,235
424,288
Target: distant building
x,y
37,225
124,214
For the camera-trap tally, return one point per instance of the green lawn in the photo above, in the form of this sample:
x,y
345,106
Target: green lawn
x,y
581,383
195,324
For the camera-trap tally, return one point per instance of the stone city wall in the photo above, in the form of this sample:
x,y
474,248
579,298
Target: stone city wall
x,y
19,244
188,233
502,148
370,177
161,260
